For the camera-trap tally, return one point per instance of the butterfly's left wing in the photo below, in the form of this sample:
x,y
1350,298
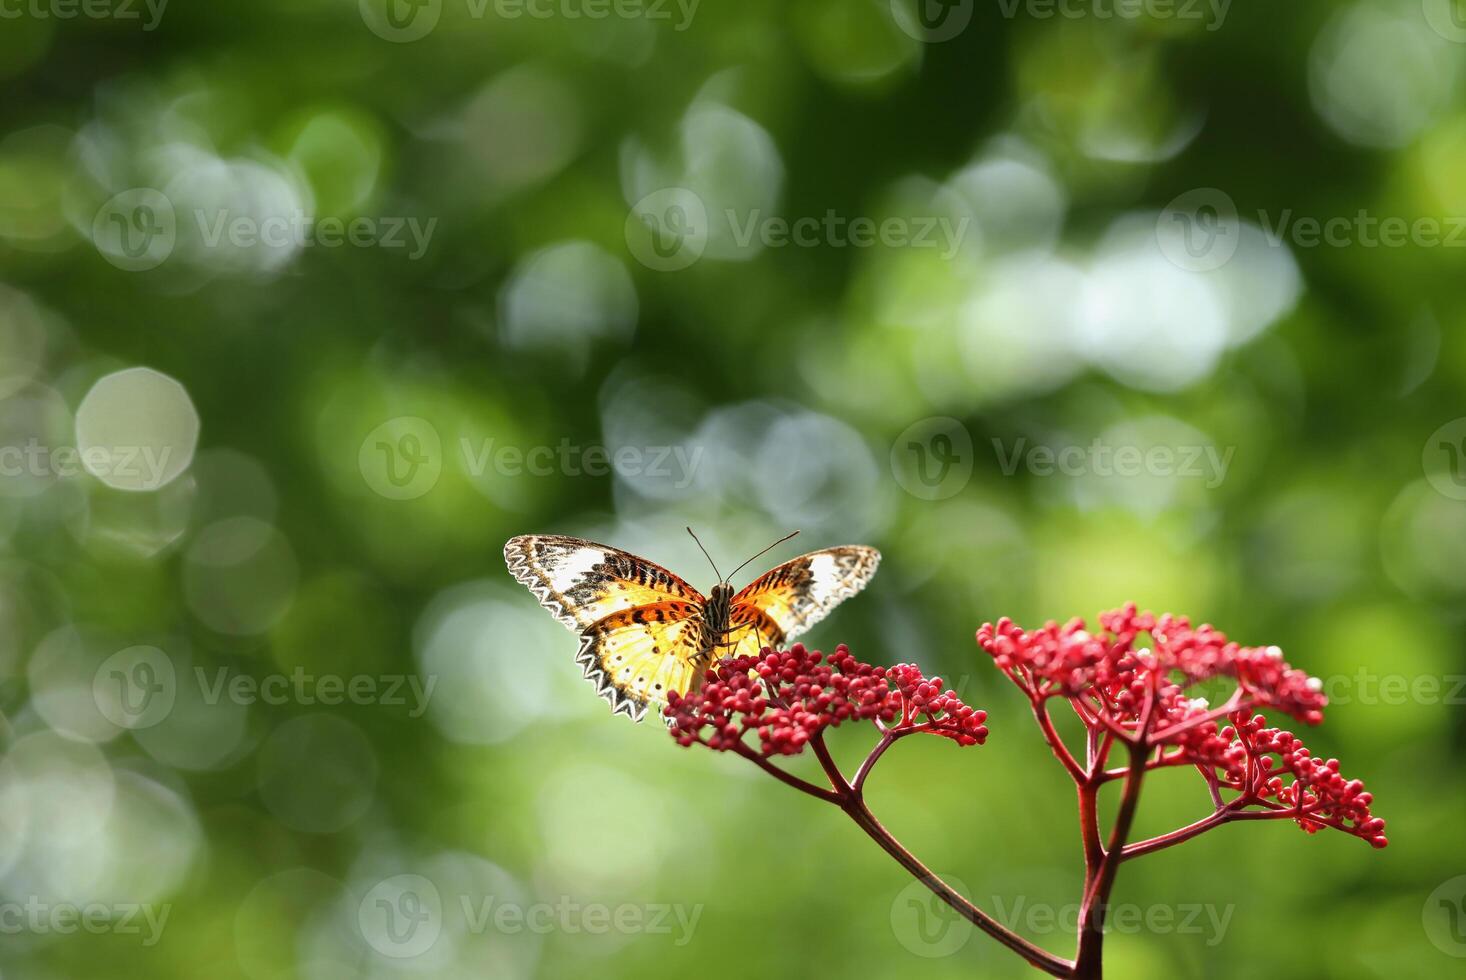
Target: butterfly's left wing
x,y
642,632
583,582
785,602
638,656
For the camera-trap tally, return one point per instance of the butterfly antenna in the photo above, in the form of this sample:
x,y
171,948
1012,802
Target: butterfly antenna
x,y
708,557
764,552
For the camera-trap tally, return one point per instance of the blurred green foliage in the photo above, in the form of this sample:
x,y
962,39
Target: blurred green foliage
x,y
1319,386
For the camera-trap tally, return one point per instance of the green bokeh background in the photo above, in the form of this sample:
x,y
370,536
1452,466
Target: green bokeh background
x,y
790,376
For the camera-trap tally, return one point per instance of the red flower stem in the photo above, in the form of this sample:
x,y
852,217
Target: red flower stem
x,y
851,800
787,778
888,738
1060,750
1088,960
1089,835
1178,836
843,789
1039,958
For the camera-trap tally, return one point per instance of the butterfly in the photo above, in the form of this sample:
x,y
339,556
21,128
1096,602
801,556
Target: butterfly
x,y
645,633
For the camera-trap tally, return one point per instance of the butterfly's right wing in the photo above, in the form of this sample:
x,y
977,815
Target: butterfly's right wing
x,y
786,601
582,582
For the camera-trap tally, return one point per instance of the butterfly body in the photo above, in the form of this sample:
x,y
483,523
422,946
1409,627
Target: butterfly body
x,y
645,633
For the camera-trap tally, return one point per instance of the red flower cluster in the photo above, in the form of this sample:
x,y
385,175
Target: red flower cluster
x,y
1272,768
788,697
1111,681
1068,660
